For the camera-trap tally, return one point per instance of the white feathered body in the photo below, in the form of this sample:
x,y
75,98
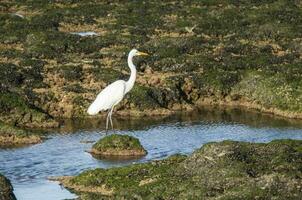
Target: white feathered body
x,y
115,92
108,97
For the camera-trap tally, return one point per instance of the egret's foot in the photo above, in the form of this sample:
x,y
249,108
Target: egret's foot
x,y
109,132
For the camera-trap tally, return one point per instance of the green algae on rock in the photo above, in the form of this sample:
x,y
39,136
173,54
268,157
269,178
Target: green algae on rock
x,y
16,110
218,170
118,145
6,189
233,52
13,136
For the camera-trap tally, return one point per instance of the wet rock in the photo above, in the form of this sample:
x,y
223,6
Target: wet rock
x,y
199,51
220,170
154,81
14,136
71,72
15,109
118,145
148,70
6,189
142,97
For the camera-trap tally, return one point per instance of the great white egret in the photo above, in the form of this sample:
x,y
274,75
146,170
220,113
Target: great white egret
x,y
114,93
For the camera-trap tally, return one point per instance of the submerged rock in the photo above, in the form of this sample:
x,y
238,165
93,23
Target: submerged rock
x,y
6,189
118,145
222,170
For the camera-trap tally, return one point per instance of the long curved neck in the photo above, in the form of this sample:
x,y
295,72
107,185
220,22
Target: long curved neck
x,y
130,82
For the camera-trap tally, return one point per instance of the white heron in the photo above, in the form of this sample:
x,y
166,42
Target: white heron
x,y
115,92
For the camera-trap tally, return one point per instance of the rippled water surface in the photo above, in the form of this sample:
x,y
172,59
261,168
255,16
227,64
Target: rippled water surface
x,y
64,152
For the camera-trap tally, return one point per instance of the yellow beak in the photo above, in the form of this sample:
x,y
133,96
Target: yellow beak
x,y
142,54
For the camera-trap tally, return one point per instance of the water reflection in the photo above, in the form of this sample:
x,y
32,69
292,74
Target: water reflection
x,y
116,159
206,114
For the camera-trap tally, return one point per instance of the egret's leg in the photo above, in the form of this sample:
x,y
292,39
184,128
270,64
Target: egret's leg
x,y
107,121
111,117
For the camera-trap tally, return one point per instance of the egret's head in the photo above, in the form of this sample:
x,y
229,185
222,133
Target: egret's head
x,y
135,52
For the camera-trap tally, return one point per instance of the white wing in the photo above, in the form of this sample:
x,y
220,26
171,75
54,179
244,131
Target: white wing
x,y
108,97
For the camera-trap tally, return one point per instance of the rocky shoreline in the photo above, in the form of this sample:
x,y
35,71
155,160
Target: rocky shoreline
x,y
6,189
11,136
220,170
225,53
197,58
249,106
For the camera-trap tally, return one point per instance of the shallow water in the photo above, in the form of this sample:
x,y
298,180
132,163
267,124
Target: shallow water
x,y
64,153
83,34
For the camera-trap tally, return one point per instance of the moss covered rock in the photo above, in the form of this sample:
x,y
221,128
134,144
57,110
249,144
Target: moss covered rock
x,y
16,109
6,189
222,170
231,52
118,145
14,136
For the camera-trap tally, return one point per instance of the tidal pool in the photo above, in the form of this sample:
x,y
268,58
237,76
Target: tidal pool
x,y
64,152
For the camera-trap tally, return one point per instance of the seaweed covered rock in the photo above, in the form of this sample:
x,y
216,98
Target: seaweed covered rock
x,y
15,109
203,52
6,189
13,136
220,170
118,145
